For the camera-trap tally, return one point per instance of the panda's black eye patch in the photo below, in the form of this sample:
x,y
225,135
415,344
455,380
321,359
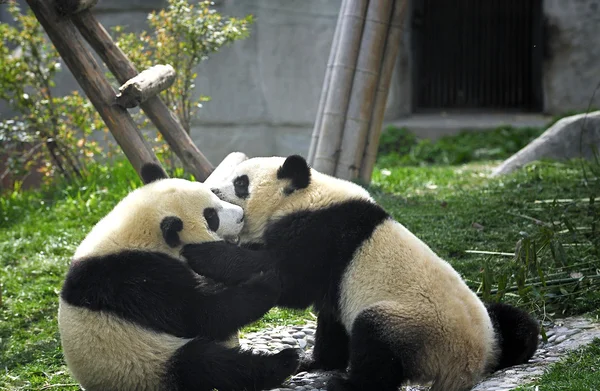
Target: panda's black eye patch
x,y
240,186
212,219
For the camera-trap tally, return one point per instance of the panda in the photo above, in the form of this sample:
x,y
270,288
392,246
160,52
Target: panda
x,y
390,311
134,316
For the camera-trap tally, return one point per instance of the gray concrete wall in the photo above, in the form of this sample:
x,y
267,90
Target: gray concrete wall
x,y
572,65
265,89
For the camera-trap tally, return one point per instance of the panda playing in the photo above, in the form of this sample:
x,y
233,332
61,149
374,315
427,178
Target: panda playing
x,y
389,307
134,316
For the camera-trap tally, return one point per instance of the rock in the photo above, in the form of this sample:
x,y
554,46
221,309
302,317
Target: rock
x,y
299,335
289,340
571,137
302,343
561,339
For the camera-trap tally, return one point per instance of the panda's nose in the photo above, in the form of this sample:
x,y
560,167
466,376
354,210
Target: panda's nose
x,y
241,220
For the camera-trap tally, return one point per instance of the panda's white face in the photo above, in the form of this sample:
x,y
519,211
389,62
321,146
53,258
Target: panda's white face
x,y
163,216
270,187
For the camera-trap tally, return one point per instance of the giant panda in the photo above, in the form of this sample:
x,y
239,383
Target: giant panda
x,y
388,306
134,316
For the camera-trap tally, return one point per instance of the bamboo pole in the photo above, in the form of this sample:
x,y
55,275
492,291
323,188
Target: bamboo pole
x,y
342,73
165,121
392,47
85,69
364,88
326,88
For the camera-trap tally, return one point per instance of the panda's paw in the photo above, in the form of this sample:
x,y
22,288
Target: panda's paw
x,y
282,365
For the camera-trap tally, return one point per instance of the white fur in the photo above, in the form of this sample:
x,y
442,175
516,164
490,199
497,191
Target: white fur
x,y
393,271
104,352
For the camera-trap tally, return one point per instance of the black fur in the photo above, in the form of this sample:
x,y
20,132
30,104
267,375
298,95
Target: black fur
x,y
331,351
170,227
163,294
225,262
518,333
296,169
212,219
152,172
378,362
240,186
203,365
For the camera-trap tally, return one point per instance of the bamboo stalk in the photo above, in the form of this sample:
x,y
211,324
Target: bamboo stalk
x,y
71,47
392,46
165,121
326,87
364,88
342,73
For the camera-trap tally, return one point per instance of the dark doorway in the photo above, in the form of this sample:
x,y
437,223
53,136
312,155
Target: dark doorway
x,y
477,54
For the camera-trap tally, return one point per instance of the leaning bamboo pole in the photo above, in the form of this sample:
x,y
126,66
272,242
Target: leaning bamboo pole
x,y
325,90
364,88
71,47
342,73
392,46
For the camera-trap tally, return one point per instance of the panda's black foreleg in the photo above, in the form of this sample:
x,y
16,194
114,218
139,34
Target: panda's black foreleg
x,y
218,314
331,345
225,262
203,365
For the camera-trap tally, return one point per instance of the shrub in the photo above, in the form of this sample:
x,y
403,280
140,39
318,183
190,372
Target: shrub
x,y
49,133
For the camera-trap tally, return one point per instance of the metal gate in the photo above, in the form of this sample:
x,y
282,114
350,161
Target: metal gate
x,y
477,54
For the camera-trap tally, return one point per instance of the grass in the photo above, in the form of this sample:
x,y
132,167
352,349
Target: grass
x,y
452,208
580,371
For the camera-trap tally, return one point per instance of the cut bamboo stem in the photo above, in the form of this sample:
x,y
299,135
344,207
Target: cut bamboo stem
x,y
364,88
392,47
165,121
87,72
326,87
342,74
145,85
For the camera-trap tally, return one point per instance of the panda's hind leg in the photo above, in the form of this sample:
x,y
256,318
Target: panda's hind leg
x,y
378,359
204,365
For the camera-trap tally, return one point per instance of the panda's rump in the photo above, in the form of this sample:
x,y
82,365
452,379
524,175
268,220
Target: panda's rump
x,y
420,301
105,352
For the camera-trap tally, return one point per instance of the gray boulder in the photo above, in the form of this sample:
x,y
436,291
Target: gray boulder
x,y
571,137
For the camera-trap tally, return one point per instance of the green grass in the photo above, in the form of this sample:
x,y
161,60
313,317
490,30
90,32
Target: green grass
x,y
580,371
40,230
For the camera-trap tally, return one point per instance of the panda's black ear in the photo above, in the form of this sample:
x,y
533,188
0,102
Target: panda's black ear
x,y
296,169
152,172
170,227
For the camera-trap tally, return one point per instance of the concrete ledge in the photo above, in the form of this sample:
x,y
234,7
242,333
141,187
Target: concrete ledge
x,y
434,126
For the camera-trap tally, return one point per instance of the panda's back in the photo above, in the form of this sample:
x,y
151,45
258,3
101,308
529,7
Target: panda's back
x,y
420,292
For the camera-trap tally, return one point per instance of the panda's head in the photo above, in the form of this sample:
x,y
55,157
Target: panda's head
x,y
271,187
163,215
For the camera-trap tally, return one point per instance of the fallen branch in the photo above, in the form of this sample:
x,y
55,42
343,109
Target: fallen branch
x,y
145,85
